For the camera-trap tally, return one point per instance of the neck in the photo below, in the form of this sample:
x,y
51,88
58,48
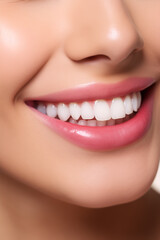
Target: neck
x,y
26,211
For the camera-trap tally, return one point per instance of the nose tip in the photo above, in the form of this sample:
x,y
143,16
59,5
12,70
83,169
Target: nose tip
x,y
113,35
121,43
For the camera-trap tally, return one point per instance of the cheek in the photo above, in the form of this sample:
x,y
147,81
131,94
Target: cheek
x,y
24,49
156,119
152,42
19,61
149,27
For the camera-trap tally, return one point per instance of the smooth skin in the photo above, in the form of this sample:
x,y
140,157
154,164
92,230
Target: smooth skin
x,y
49,188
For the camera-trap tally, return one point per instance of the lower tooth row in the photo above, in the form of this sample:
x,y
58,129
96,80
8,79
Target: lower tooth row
x,y
96,113
94,123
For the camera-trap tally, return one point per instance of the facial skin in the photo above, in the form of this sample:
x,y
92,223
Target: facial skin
x,y
48,46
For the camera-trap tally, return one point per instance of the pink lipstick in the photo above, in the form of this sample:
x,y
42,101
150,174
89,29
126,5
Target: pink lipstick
x,y
106,137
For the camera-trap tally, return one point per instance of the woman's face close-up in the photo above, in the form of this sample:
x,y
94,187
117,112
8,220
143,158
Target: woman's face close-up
x,y
80,93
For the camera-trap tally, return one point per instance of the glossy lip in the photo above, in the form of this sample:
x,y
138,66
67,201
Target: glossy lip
x,y
95,91
108,137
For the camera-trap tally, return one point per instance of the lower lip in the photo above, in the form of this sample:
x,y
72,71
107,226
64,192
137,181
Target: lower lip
x,y
107,137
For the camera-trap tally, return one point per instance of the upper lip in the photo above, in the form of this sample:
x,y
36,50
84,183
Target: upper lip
x,y
93,91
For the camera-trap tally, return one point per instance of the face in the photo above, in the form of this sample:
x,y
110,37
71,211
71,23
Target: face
x,y
63,52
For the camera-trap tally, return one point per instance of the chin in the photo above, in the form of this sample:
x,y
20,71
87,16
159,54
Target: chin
x,y
103,200
100,195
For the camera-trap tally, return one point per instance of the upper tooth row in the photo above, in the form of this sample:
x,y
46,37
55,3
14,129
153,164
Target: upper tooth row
x,y
100,109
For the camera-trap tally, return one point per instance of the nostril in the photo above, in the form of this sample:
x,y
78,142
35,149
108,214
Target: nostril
x,y
95,58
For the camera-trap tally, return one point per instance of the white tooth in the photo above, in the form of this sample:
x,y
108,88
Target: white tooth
x,y
41,108
51,110
139,99
117,108
102,110
75,110
92,123
87,111
82,122
63,112
101,123
135,102
111,122
71,120
128,105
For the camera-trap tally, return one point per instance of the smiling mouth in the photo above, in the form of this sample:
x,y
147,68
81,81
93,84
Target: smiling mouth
x,y
92,113
98,116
